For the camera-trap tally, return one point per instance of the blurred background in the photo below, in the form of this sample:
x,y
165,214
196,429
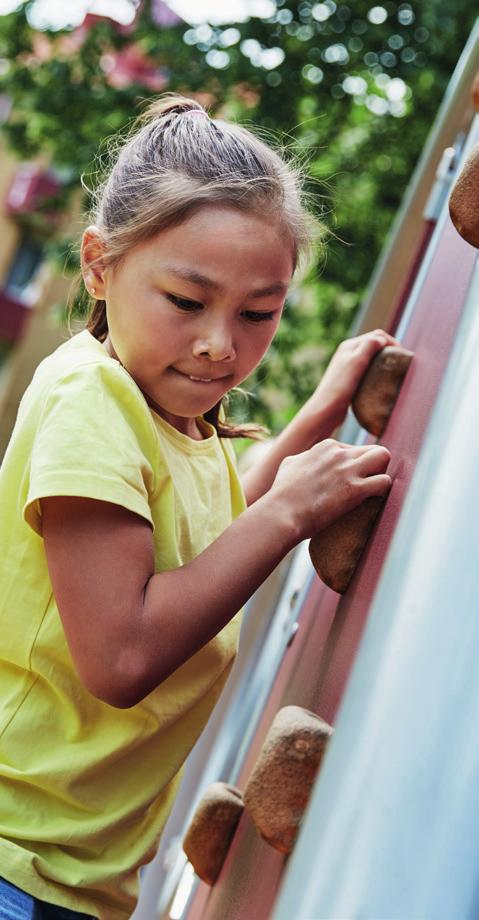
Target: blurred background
x,y
352,89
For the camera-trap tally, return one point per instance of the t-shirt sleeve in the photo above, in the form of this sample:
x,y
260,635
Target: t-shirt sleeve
x,y
95,439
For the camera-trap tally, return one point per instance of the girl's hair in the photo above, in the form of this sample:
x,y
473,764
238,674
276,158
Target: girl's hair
x,y
177,160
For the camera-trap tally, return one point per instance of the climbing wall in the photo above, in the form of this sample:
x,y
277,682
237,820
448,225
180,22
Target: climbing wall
x,y
315,667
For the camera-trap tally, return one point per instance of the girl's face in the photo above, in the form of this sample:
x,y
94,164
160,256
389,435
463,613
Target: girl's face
x,y
192,310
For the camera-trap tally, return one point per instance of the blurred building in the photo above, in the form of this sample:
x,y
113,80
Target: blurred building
x,y
33,294
30,290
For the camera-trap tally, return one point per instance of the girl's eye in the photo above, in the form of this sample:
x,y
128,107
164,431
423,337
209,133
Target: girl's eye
x,y
184,304
258,316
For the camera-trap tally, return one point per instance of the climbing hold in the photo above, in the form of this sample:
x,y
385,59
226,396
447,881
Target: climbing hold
x,y
378,391
211,830
463,200
282,778
336,550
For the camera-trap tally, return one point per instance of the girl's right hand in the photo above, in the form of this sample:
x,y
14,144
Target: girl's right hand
x,y
330,479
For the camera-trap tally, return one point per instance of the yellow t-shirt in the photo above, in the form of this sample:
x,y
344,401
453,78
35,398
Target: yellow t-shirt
x,y
85,788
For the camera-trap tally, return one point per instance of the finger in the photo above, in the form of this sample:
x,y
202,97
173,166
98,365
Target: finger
x,y
356,449
359,450
368,344
375,340
380,333
374,461
376,485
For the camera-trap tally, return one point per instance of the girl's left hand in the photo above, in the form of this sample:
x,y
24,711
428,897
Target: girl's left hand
x,y
341,379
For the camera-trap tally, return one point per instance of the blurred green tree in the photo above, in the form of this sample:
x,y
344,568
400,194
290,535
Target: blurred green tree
x,y
352,90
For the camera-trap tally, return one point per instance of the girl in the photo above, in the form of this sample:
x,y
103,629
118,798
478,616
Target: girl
x,y
126,550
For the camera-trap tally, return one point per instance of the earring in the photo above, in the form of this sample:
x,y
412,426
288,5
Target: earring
x,y
92,289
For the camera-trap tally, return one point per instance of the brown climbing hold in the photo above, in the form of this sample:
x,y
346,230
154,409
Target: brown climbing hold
x,y
378,391
212,828
282,778
336,550
464,198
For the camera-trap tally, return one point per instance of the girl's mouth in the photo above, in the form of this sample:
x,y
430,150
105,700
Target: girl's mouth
x,y
196,379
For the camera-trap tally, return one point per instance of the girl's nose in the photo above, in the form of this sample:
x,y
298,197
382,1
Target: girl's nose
x,y
217,345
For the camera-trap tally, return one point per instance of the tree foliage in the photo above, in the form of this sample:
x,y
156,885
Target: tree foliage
x,y
352,90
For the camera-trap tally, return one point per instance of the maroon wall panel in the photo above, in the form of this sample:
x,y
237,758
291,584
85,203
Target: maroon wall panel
x,y
430,336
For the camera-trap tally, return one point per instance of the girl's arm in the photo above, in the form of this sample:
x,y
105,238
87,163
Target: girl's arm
x,y
322,413
128,628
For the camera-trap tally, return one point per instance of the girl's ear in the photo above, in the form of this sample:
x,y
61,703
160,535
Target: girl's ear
x,y
92,262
